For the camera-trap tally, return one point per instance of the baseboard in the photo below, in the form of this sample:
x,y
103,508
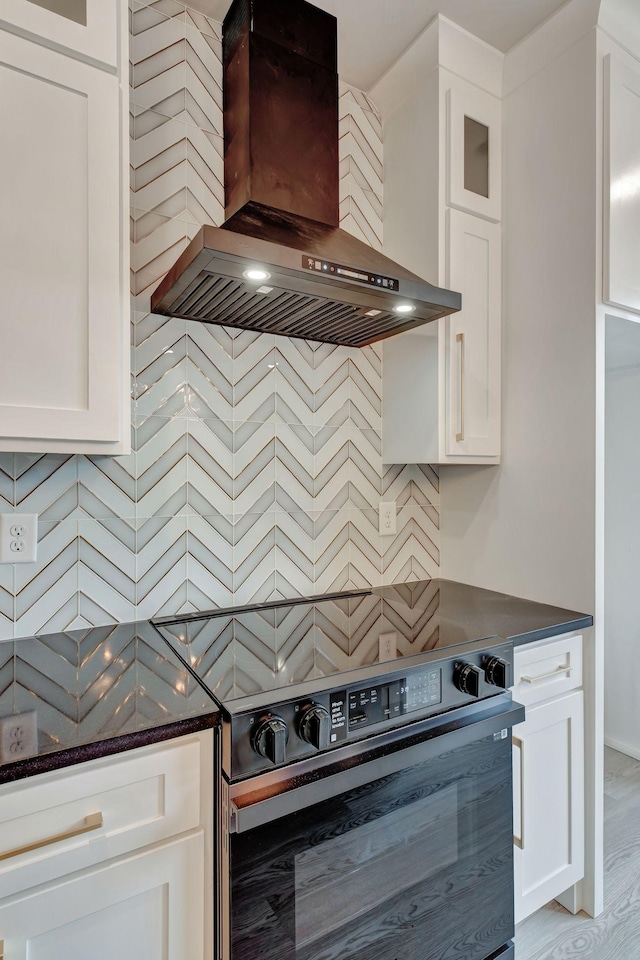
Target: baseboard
x,y
622,748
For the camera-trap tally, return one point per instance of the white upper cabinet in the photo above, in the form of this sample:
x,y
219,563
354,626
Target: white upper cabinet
x,y
441,383
622,185
85,28
64,325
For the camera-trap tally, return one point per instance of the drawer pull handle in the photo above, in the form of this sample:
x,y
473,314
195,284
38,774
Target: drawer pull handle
x,y
547,676
519,744
93,822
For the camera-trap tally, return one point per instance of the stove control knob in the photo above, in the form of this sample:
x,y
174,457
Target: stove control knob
x,y
269,739
495,671
315,726
467,678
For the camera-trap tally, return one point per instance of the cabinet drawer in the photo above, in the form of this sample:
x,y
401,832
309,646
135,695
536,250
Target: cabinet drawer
x,y
58,823
547,669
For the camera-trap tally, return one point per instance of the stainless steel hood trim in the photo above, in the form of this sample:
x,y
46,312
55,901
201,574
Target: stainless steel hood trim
x,y
222,253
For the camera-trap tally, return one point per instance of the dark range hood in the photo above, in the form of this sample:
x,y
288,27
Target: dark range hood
x,y
280,263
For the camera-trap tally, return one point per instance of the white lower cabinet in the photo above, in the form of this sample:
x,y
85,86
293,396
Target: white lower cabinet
x,y
111,858
145,907
548,776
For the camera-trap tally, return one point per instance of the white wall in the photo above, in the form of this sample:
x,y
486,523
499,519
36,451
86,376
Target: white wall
x,y
622,536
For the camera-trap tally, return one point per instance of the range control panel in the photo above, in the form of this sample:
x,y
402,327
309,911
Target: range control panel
x,y
353,709
299,728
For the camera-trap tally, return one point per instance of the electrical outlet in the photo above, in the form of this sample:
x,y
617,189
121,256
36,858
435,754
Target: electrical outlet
x,y
18,537
388,645
387,519
18,736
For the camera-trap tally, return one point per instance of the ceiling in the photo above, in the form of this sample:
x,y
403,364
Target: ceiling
x,y
373,33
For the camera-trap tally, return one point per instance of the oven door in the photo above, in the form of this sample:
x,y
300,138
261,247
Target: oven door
x,y
399,848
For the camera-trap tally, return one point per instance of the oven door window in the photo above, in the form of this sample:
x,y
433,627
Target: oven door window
x,y
413,866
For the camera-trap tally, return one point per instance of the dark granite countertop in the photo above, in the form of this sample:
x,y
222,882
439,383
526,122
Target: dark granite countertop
x,y
96,692
469,613
103,690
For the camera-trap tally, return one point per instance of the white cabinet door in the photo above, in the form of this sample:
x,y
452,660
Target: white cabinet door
x,y
145,907
441,384
87,29
64,316
473,337
548,776
622,186
474,152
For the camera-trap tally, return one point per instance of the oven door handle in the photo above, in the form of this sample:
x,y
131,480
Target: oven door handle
x,y
280,793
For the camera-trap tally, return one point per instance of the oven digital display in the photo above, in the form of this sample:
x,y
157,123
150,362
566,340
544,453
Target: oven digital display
x,y
375,704
352,709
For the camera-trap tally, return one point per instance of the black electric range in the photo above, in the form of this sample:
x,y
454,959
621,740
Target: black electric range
x,y
296,677
365,775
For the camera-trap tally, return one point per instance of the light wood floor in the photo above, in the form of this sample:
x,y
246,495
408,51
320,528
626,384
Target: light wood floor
x,y
554,934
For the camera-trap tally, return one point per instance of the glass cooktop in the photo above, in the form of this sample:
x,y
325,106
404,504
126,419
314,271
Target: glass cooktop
x,y
246,652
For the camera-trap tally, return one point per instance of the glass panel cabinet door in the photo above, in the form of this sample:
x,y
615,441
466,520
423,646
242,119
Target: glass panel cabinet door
x,y
75,10
474,153
85,29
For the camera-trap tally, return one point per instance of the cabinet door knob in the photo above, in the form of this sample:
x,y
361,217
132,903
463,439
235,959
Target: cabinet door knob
x,y
93,822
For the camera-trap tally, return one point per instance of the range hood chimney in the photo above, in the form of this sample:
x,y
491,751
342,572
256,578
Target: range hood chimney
x,y
280,263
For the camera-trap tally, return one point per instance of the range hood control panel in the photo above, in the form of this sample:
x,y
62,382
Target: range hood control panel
x,y
343,272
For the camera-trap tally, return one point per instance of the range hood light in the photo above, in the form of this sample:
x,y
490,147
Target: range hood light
x,y
257,273
404,308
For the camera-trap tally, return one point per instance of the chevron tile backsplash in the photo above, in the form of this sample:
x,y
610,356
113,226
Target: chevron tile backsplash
x,y
256,470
